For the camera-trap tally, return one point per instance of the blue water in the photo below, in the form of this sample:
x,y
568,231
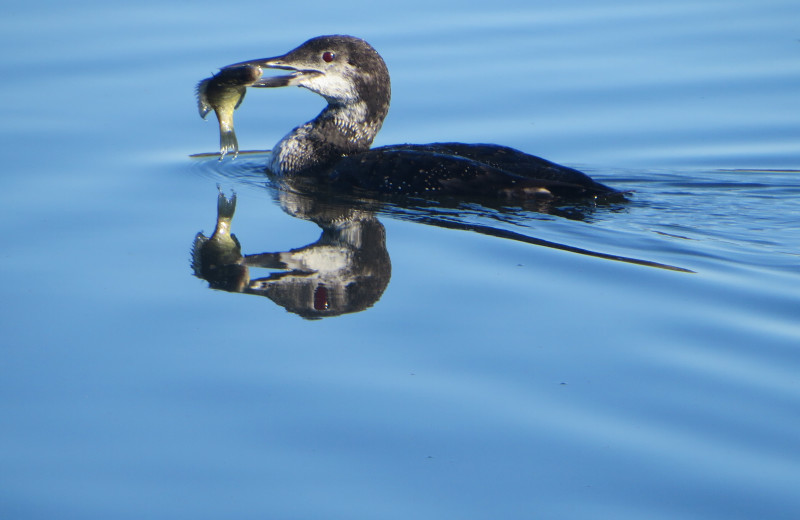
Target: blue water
x,y
493,377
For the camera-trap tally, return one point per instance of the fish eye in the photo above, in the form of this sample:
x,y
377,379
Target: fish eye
x,y
328,56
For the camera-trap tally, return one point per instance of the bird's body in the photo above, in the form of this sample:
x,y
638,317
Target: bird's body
x,y
334,147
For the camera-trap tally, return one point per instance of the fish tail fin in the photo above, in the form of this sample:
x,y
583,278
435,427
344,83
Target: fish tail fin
x,y
228,143
225,206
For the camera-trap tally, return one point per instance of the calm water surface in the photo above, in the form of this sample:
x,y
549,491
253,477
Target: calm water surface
x,y
504,366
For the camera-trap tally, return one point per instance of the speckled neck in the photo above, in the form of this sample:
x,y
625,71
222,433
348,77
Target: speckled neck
x,y
337,131
342,128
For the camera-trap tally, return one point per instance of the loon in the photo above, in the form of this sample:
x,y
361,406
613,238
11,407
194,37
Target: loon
x,y
335,148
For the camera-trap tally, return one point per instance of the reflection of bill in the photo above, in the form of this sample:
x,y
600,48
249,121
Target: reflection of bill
x,y
345,271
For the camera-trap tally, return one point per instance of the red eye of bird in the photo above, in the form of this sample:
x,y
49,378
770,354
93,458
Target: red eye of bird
x,y
328,56
321,298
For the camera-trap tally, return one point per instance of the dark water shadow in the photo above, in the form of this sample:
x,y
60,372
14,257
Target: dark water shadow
x,y
348,268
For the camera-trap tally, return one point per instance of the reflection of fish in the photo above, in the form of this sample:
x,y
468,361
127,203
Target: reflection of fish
x,y
218,259
223,93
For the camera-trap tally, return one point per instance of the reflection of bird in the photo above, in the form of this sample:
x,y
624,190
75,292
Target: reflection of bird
x,y
335,146
223,93
345,271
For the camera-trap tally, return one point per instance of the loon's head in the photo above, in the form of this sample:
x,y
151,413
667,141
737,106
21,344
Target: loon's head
x,y
343,69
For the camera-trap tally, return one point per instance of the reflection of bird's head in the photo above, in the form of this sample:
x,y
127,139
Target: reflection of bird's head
x,y
346,270
313,298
